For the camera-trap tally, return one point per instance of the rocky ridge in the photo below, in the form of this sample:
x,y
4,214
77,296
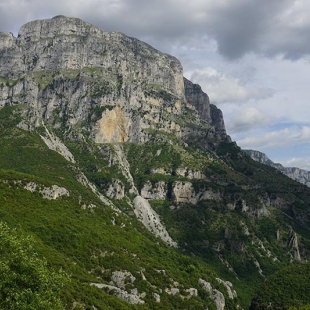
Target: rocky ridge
x,y
297,174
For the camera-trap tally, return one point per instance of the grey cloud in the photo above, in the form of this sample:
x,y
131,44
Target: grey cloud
x,y
239,27
293,43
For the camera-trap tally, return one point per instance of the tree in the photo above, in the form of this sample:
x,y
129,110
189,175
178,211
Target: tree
x,y
26,282
286,289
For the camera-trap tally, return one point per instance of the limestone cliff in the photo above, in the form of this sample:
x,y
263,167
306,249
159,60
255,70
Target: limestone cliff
x,y
208,112
197,98
76,76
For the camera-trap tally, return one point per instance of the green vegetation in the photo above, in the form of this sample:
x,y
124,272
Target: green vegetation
x,y
26,282
210,229
286,289
222,237
10,116
153,90
8,82
89,243
102,88
44,78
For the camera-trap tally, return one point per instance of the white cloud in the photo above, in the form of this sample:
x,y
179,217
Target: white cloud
x,y
300,162
304,135
246,119
223,88
284,137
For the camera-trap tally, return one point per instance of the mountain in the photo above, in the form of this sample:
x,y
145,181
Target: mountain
x,y
122,173
297,174
117,89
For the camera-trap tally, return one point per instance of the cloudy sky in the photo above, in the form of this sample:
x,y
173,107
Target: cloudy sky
x,y
252,57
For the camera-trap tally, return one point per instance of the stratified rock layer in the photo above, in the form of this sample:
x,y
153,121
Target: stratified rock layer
x,y
74,75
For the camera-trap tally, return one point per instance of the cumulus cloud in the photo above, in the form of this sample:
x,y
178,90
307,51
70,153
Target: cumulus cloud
x,y
247,119
284,137
239,27
223,88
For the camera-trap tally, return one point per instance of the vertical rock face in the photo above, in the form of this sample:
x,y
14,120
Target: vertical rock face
x,y
217,120
159,191
208,112
69,72
113,126
76,76
70,43
197,98
184,192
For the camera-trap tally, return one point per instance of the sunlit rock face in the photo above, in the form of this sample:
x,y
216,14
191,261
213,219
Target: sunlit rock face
x,y
74,75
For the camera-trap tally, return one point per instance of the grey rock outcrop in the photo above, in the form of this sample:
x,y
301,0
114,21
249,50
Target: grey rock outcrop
x,y
158,191
156,297
214,294
293,245
122,278
116,190
6,40
122,294
50,193
257,211
192,291
190,174
229,287
183,191
151,220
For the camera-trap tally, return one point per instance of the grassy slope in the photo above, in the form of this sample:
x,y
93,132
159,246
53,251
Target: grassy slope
x,y
286,289
202,227
86,243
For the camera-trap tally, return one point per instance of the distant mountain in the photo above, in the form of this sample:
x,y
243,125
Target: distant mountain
x,y
297,174
122,173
